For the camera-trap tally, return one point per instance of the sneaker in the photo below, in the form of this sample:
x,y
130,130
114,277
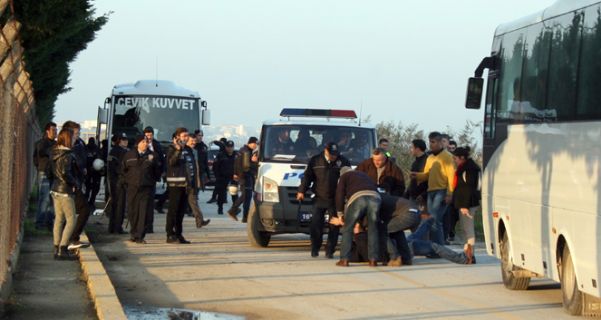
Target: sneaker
x,y
205,222
78,244
64,254
212,200
220,211
141,241
395,262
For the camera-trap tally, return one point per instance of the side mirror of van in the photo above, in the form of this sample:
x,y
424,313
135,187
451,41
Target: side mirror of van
x,y
103,115
205,117
474,93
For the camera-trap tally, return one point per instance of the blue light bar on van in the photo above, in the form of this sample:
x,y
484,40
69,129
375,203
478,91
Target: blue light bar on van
x,y
323,113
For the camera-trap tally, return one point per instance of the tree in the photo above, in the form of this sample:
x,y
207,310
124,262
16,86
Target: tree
x,y
53,33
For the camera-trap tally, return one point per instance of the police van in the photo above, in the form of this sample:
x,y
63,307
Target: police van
x,y
286,146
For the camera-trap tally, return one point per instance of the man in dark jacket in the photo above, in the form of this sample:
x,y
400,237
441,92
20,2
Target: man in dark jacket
x,y
387,175
93,178
245,173
140,169
321,176
81,203
357,197
193,186
202,152
224,173
41,159
179,160
154,146
417,190
117,183
221,144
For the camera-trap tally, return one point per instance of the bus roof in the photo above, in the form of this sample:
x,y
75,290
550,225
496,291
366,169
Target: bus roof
x,y
317,122
558,8
153,88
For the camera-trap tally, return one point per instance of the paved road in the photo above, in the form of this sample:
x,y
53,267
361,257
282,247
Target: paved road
x,y
220,272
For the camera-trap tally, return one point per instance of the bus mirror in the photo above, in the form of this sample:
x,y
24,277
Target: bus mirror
x,y
474,93
102,115
205,117
203,104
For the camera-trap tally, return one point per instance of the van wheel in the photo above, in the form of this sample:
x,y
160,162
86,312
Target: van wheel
x,y
510,281
256,237
572,297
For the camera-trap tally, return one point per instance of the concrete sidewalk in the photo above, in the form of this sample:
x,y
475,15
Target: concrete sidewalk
x,y
45,288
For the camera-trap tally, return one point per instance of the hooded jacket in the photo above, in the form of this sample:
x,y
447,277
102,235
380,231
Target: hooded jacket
x,y
62,165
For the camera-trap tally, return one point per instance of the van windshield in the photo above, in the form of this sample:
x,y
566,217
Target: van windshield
x,y
298,143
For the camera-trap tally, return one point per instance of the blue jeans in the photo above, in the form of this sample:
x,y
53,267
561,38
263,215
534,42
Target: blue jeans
x,y
45,215
437,208
365,206
396,242
422,247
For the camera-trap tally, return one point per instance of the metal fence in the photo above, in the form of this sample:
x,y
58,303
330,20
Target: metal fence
x,y
18,132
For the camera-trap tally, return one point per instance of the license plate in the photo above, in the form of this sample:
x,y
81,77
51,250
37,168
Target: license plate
x,y
305,216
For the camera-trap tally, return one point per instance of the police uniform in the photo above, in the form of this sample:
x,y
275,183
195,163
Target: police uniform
x,y
117,186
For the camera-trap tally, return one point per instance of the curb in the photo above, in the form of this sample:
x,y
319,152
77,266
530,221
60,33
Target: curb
x,y
101,288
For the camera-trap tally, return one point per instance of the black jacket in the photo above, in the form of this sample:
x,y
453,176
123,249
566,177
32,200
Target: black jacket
x,y
62,165
179,166
41,154
351,183
156,147
243,165
116,164
203,158
141,170
467,193
81,159
417,189
322,176
398,213
223,166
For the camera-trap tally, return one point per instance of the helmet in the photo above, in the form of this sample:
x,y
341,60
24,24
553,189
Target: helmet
x,y
98,164
233,189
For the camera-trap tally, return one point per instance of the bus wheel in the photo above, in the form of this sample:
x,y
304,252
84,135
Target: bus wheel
x,y
256,237
572,297
509,279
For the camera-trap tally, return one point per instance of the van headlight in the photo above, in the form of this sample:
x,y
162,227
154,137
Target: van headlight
x,y
270,191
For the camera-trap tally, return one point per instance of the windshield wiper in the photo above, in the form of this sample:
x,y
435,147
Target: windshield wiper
x,y
286,157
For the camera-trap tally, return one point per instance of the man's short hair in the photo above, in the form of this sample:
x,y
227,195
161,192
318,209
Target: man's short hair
x,y
435,135
49,125
71,125
179,131
452,143
445,136
197,132
378,151
419,144
383,140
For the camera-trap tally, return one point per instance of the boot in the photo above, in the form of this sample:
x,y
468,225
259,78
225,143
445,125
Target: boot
x,y
55,252
220,211
342,263
64,254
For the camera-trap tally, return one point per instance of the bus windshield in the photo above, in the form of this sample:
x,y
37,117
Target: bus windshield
x,y
298,143
163,113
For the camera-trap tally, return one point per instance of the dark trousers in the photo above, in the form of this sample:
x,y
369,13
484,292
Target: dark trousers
x,y
450,221
83,213
140,202
316,229
246,188
116,215
162,199
220,192
92,187
150,212
175,214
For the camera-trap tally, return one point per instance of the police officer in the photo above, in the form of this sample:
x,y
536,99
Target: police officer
x,y
245,173
223,167
140,169
321,176
117,183
154,146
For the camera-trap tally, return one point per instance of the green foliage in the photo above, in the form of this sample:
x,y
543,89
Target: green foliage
x,y
400,137
53,33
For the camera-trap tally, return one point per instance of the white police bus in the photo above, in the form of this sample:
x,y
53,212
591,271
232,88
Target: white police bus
x,y
160,104
275,209
541,186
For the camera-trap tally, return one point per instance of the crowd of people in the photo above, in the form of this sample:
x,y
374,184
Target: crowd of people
x,y
371,206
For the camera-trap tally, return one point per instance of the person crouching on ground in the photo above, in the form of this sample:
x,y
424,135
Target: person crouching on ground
x,y
64,187
362,200
141,167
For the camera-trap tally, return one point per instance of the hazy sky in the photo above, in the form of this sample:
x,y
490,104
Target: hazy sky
x,y
404,60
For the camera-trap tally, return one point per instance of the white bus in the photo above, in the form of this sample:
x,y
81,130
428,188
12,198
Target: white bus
x,y
157,103
541,191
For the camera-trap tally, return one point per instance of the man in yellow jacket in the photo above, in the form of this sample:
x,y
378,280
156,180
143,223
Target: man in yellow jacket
x,y
439,171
